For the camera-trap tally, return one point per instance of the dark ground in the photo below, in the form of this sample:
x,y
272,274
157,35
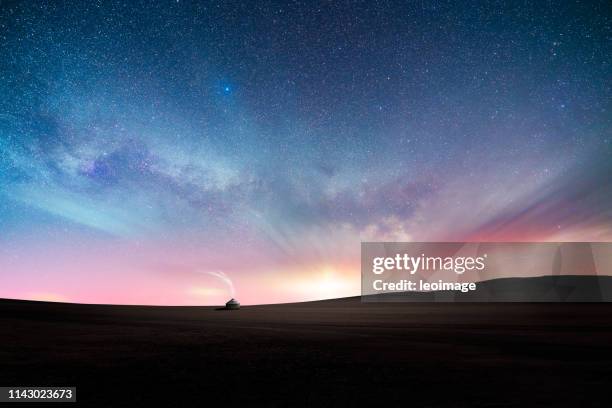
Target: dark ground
x,y
329,353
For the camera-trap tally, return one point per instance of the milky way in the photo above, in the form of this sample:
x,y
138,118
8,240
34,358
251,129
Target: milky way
x,y
142,143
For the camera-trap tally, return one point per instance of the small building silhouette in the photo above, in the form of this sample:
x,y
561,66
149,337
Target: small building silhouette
x,y
232,304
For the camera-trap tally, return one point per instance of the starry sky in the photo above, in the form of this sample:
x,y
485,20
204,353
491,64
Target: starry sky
x,y
151,149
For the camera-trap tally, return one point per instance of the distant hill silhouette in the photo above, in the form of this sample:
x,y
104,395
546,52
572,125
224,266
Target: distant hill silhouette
x,y
559,288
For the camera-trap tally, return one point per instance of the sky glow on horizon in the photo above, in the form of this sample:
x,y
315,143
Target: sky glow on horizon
x,y
143,144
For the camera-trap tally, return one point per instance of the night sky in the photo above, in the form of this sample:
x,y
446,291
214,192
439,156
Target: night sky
x,y
149,149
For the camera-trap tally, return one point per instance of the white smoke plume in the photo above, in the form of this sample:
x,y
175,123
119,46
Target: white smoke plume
x,y
224,278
